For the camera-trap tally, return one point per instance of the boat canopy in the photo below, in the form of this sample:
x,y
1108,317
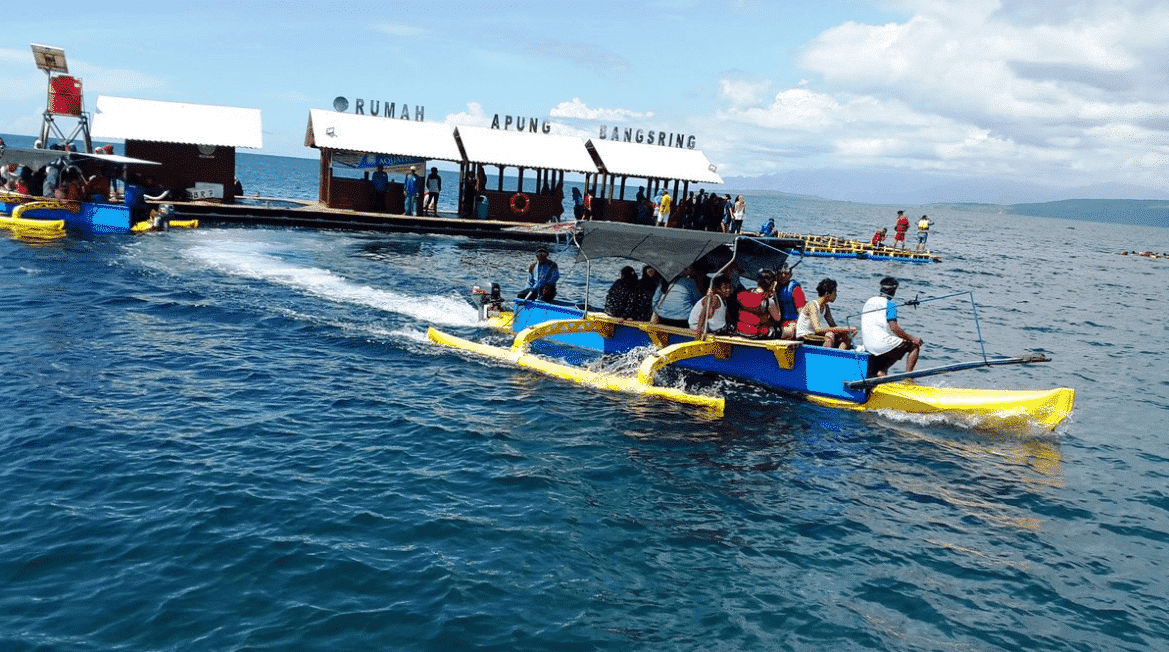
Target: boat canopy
x,y
669,251
38,158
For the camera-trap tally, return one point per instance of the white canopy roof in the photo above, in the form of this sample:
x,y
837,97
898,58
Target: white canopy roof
x,y
523,149
380,135
653,161
177,122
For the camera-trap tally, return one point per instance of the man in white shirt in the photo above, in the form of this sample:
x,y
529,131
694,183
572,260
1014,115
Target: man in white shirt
x,y
883,337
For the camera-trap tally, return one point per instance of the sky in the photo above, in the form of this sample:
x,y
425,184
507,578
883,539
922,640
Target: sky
x,y
865,100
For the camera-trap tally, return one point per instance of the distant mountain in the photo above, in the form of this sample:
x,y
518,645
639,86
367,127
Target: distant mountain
x,y
913,188
1145,212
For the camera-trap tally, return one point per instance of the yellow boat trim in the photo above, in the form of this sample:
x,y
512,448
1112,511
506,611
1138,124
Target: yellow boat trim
x,y
585,377
560,327
682,351
501,321
1047,407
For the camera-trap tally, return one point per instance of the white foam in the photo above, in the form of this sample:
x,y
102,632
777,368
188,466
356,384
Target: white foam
x,y
251,260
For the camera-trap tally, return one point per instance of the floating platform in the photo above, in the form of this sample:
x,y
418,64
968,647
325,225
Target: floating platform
x,y
826,246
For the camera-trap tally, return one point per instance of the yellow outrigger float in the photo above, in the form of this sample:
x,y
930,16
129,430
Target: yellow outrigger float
x,y
988,407
827,376
520,356
31,227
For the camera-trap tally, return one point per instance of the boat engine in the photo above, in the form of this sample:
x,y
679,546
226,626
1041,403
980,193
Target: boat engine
x,y
160,219
490,303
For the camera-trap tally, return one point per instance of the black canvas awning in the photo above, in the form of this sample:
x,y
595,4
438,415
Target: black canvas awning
x,y
669,250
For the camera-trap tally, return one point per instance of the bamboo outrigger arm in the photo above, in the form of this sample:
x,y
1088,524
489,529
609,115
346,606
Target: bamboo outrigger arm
x,y
959,366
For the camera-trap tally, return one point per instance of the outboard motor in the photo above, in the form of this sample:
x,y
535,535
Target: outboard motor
x,y
489,303
160,220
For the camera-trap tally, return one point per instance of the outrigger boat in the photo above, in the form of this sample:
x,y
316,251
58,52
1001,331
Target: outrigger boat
x,y
832,377
39,214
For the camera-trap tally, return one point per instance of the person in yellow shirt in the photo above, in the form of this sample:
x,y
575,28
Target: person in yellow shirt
x,y
664,209
923,232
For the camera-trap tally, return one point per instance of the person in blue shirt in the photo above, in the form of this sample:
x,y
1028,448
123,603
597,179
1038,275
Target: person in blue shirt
x,y
672,306
413,186
768,229
381,182
542,277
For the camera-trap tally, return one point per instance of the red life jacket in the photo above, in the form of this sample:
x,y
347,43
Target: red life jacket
x,y
754,321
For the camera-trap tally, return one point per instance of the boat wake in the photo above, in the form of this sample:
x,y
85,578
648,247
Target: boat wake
x,y
248,260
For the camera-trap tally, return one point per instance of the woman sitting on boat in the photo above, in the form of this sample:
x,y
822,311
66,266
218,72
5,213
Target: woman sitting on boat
x,y
789,296
709,315
758,310
647,287
622,299
816,325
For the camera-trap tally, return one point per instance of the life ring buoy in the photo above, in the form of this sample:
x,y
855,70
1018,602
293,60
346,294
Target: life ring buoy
x,y
520,204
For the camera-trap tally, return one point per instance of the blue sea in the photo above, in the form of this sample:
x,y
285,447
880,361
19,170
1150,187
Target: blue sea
x,y
241,439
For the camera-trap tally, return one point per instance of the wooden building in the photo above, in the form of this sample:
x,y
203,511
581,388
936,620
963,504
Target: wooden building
x,y
194,144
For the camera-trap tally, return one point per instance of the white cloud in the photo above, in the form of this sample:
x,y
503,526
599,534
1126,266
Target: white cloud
x,y
576,109
971,87
473,116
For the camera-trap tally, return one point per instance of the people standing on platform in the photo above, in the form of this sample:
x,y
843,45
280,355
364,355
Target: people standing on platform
x,y
381,182
923,232
900,228
412,186
433,187
664,208
738,214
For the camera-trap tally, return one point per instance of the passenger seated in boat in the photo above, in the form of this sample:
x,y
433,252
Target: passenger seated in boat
x,y
709,315
649,285
621,301
790,299
816,324
672,306
884,338
758,310
542,277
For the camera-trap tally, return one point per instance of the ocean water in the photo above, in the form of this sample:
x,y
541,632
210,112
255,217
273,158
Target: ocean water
x,y
240,439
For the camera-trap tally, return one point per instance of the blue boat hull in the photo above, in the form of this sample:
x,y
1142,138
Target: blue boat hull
x,y
91,218
816,370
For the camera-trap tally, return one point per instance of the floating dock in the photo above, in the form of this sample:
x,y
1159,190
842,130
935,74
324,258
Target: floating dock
x,y
827,246
267,211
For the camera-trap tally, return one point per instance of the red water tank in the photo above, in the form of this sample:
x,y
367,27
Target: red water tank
x,y
65,95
